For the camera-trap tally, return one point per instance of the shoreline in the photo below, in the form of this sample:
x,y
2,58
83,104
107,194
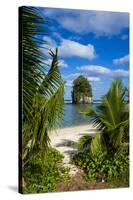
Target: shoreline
x,y
65,141
76,128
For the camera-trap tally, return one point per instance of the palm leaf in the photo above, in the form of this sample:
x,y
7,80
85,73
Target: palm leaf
x,y
111,117
42,86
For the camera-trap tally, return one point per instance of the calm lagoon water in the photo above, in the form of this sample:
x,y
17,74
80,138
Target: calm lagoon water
x,y
73,116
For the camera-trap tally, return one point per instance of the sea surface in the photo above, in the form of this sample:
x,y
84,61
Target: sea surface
x,y
73,115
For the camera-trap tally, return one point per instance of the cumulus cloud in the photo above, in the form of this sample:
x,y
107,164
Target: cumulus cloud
x,y
61,63
94,69
75,75
49,41
71,77
100,70
121,61
69,83
69,48
93,78
49,44
101,23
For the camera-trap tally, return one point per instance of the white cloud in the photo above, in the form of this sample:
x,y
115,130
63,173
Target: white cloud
x,y
49,44
100,70
120,73
75,75
49,41
69,83
98,22
122,60
69,48
93,78
70,78
60,61
94,69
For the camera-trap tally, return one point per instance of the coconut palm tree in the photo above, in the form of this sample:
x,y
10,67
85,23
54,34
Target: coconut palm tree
x,y
111,119
32,27
42,86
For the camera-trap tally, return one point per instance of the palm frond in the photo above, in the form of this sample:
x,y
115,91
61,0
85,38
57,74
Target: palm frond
x,y
33,24
97,145
112,116
42,88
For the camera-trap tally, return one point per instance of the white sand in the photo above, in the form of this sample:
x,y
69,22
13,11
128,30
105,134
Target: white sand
x,y
65,141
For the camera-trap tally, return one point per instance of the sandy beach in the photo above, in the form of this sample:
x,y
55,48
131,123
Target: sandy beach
x,y
65,140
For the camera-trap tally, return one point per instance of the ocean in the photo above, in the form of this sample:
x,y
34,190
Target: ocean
x,y
73,116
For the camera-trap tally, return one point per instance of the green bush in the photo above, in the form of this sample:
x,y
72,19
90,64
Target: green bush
x,y
45,177
104,167
84,142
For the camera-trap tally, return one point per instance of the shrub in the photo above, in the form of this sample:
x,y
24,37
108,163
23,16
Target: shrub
x,y
44,178
103,167
84,142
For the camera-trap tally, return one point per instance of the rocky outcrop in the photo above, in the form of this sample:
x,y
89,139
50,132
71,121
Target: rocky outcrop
x,y
82,91
85,100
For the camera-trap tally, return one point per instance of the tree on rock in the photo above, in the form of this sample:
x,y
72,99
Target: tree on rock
x,y
82,91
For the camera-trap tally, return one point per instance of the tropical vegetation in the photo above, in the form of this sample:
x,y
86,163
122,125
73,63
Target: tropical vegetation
x,y
81,89
42,100
105,156
44,178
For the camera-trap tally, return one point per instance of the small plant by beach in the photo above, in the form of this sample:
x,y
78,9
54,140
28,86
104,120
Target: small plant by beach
x,y
106,156
104,168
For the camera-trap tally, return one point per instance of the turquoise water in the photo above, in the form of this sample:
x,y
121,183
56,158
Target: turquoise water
x,y
73,116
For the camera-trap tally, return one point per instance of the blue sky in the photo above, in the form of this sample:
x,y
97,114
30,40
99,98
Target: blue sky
x,y
90,43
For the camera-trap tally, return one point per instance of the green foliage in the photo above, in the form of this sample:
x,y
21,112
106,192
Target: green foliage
x,y
43,87
45,177
33,24
84,142
121,181
81,88
111,118
96,145
103,167
42,104
106,156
